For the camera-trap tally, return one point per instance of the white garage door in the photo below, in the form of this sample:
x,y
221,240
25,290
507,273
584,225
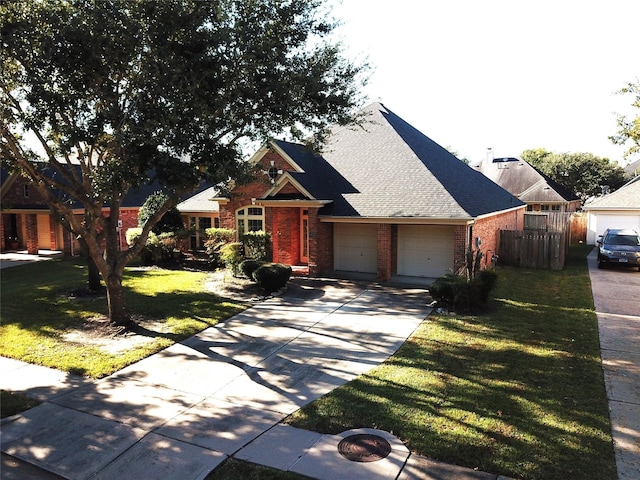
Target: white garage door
x,y
355,247
599,222
425,251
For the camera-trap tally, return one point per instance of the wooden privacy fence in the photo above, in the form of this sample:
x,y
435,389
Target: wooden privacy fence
x,y
532,249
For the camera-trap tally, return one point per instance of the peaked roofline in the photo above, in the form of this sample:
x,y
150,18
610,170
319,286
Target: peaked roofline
x,y
259,155
285,179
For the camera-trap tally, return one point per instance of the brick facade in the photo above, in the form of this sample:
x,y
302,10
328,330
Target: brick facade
x,y
488,230
23,209
284,225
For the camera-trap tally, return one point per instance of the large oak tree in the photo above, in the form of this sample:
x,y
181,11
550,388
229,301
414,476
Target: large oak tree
x,y
121,93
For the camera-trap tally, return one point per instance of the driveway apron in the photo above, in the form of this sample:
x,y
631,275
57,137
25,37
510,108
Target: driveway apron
x,y
181,412
616,295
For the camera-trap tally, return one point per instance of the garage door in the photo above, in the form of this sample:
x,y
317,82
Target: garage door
x,y
425,251
598,223
44,232
355,247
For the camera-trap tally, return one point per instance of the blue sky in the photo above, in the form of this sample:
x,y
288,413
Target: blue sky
x,y
510,75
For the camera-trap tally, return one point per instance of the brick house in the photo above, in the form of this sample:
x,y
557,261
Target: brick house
x,y
380,201
26,216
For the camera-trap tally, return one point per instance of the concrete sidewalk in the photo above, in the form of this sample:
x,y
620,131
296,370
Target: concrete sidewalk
x,y
181,412
616,296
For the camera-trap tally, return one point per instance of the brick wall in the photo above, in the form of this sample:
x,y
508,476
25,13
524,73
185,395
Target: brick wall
x,y
459,247
488,230
320,245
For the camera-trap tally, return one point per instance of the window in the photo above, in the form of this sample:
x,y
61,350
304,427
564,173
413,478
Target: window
x,y
544,208
249,219
555,208
25,190
198,227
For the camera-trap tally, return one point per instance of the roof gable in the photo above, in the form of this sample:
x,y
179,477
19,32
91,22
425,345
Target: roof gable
x,y
525,181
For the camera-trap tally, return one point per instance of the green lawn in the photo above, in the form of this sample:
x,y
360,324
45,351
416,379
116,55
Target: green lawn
x,y
38,314
518,391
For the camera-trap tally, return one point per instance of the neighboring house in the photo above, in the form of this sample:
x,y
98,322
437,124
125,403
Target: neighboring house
x,y
619,209
199,212
26,219
26,216
381,200
538,191
633,169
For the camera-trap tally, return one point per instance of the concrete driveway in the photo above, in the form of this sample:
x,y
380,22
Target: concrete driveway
x,y
181,412
616,295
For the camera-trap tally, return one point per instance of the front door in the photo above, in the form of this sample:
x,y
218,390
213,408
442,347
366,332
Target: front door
x,y
304,235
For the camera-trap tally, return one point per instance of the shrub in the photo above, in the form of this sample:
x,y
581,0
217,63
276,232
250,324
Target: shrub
x,y
231,256
132,235
216,239
256,244
272,276
220,235
445,289
158,249
455,291
249,266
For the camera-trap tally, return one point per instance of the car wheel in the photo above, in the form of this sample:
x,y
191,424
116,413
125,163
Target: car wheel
x,y
600,264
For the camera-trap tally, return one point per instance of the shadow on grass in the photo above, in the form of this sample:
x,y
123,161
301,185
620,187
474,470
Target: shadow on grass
x,y
519,391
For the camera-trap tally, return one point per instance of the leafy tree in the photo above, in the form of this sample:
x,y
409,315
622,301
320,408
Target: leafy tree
x,y
171,221
537,157
583,173
122,93
629,129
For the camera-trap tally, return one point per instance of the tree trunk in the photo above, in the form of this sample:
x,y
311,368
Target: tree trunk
x,y
94,276
115,299
94,272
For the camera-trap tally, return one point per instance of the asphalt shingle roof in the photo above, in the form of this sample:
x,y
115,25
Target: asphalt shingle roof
x,y
386,168
626,197
525,181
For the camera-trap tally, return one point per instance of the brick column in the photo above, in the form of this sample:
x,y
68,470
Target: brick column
x,y
31,223
384,252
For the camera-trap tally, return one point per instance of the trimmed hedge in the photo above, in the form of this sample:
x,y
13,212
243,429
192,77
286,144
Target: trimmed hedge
x,y
249,266
272,276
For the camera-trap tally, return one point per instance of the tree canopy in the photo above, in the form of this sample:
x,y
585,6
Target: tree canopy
x,y
629,128
584,174
121,93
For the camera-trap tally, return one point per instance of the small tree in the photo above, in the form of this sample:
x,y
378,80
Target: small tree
x,y
119,94
171,221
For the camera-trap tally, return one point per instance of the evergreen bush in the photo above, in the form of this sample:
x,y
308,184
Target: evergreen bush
x,y
456,292
249,266
257,244
272,276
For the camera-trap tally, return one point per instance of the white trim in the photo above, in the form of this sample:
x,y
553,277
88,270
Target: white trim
x,y
282,182
399,220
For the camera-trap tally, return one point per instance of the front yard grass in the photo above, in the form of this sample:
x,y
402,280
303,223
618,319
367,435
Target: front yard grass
x,y
518,391
48,320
